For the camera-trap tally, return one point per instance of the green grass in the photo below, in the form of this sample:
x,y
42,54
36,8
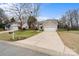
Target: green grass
x,y
19,35
61,30
1,29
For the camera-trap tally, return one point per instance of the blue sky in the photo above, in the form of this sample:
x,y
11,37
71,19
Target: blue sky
x,y
52,10
55,10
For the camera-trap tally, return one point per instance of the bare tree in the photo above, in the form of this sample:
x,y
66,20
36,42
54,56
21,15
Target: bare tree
x,y
24,10
19,10
32,21
75,17
72,18
36,8
3,16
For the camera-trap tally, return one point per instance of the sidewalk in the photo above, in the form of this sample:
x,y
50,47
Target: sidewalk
x,y
46,42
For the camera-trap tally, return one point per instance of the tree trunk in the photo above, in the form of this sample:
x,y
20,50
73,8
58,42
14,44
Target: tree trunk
x,y
77,24
71,24
21,23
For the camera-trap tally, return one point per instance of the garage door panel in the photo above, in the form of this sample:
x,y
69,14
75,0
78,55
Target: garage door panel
x,y
50,29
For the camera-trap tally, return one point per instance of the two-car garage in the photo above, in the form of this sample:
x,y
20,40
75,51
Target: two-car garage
x,y
50,29
50,25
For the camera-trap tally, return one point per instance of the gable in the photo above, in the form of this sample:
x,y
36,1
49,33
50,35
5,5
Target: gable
x,y
50,23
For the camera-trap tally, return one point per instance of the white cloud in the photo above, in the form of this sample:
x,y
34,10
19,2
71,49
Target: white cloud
x,y
4,6
42,18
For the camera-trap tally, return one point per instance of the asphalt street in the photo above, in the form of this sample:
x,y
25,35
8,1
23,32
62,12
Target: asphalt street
x,y
7,49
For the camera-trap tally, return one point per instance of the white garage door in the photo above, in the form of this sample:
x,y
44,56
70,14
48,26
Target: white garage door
x,y
50,29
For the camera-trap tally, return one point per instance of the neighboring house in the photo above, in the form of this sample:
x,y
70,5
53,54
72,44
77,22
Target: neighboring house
x,y
25,26
50,25
15,26
11,26
47,25
7,26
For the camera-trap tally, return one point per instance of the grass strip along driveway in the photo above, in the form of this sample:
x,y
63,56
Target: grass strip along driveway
x,y
70,39
19,35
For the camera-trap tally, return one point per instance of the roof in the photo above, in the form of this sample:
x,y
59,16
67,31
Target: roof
x,y
49,23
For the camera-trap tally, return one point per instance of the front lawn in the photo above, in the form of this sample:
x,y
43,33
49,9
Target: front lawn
x,y
19,35
70,39
1,29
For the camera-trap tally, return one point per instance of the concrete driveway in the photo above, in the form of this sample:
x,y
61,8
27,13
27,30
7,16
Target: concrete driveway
x,y
8,49
47,42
